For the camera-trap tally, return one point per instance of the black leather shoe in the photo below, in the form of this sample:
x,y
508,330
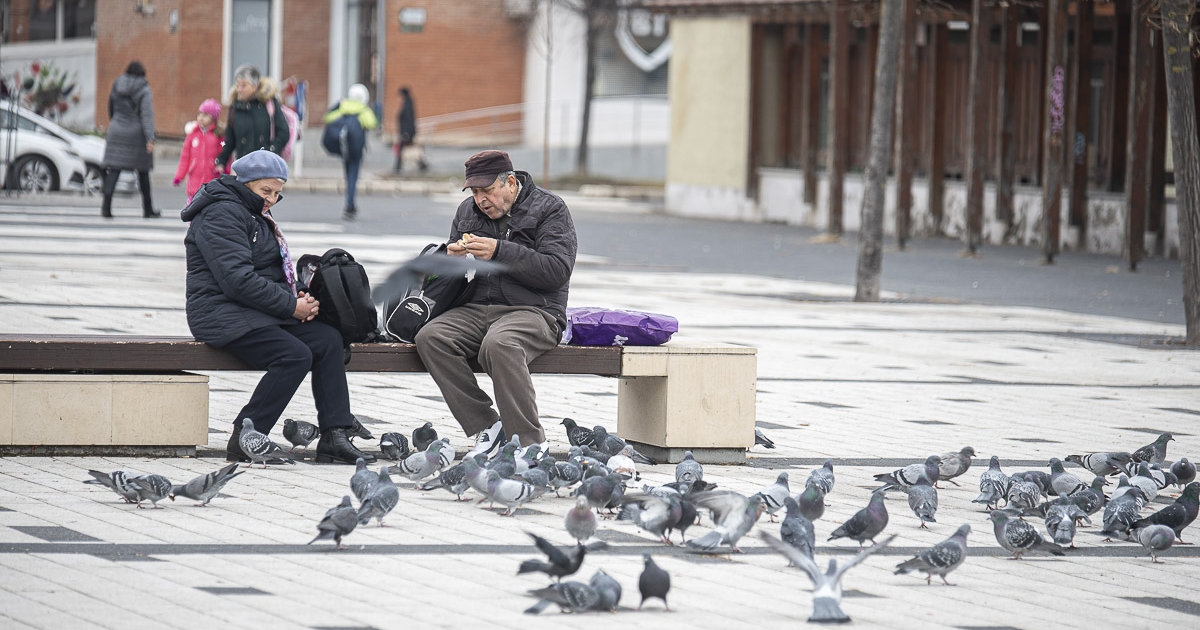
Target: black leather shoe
x,y
334,447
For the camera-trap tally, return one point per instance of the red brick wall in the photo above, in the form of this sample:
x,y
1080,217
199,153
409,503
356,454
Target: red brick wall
x,y
306,51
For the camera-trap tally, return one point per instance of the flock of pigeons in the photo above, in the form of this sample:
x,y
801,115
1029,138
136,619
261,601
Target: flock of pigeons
x,y
601,468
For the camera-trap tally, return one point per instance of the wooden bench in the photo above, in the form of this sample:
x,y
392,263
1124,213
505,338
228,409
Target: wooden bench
x,y
116,393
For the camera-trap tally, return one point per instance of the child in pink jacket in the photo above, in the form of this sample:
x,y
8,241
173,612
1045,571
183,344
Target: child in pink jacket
x,y
200,149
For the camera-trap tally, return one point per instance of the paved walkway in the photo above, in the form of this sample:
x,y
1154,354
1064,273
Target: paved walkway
x,y
872,386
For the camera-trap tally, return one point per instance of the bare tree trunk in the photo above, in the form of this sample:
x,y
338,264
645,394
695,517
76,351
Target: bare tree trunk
x,y
1181,111
592,22
870,235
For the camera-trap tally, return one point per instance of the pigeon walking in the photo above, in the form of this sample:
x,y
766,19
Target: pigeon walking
x,y
1155,538
300,433
775,494
1144,481
1062,482
118,482
654,582
565,474
797,530
454,479
422,464
907,477
205,487
827,586
1102,464
762,440
811,501
580,521
1019,537
600,490
339,521
380,501
867,523
1177,515
559,562
152,488
939,559
732,514
1091,499
1184,471
688,470
423,436
394,446
823,477
923,500
1154,452
955,464
362,480
993,485
511,493
258,447
577,435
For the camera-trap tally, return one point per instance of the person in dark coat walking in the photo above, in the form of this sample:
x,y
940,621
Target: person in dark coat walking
x,y
255,120
511,318
129,143
406,124
242,297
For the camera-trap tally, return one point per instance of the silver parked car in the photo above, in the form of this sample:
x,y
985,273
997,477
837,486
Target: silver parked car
x,y
36,162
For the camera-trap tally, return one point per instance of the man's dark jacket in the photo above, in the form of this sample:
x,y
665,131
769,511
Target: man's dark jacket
x,y
538,248
235,279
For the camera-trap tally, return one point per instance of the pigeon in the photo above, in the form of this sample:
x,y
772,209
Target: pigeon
x,y
1184,471
423,436
923,500
590,454
797,530
1102,464
476,476
867,523
1123,509
689,488
394,446
422,464
1177,515
580,521
505,462
654,582
955,464
511,493
623,463
733,515
609,590
1145,482
571,597
906,477
362,480
1155,538
1061,521
1162,478
1020,537
118,482
650,513
812,501
380,501
339,521
688,469
823,477
561,562
539,474
357,430
577,435
600,490
1091,499
411,274
761,439
611,444
300,433
1064,483
939,559
454,479
565,474
993,485
1039,478
827,586
152,488
1154,452
1022,493
688,515
205,487
258,447
775,494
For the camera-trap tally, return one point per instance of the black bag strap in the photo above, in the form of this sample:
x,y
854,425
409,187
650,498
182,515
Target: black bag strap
x,y
336,290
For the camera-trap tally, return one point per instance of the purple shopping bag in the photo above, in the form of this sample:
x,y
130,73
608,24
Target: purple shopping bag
x,y
595,326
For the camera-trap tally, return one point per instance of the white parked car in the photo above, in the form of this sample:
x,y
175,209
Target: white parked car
x,y
89,148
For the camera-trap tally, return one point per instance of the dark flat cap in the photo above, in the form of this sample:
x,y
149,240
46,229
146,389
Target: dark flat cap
x,y
485,166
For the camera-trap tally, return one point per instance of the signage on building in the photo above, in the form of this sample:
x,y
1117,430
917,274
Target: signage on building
x,y
643,37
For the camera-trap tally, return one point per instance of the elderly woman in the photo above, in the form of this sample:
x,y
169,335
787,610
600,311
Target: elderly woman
x,y
251,125
242,298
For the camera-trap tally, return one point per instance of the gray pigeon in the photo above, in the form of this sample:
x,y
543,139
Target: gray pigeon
x,y
907,477
1123,509
955,464
1184,471
761,439
600,490
454,478
362,480
577,435
571,597
1177,515
796,530
651,513
152,488
1155,538
339,521
827,586
609,590
357,430
733,515
775,494
394,446
258,447
1091,499
993,485
1162,478
580,521
1102,464
1061,521
423,436
1154,452
300,433
422,464
866,523
118,482
1144,481
511,493
812,501
205,487
923,500
939,559
823,477
1022,493
688,470
611,444
654,582
565,474
1020,537
1064,483
380,501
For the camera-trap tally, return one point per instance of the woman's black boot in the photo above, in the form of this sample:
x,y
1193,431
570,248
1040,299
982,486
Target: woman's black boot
x,y
334,447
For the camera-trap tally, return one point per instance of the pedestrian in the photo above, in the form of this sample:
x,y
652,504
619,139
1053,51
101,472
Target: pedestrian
x,y
129,141
406,123
511,318
355,104
242,298
252,124
197,160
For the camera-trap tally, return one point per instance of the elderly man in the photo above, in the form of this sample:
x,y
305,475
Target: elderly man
x,y
511,318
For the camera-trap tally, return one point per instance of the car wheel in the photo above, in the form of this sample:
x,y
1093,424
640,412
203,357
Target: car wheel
x,y
93,180
36,174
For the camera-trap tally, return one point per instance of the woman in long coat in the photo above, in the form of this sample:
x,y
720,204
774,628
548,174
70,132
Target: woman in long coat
x,y
129,144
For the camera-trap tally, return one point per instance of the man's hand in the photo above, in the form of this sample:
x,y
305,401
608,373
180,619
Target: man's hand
x,y
306,307
481,247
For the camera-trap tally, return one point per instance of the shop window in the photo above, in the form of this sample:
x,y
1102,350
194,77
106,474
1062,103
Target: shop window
x,y
46,20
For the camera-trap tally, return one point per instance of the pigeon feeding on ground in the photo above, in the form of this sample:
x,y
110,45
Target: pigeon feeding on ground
x,y
1154,452
338,521
565,474
623,463
651,513
118,482
1155,538
1061,521
823,477
1123,509
733,515
939,559
152,488
571,597
811,501
955,464
394,446
993,485
761,439
258,447
600,491
1144,481
423,436
827,586
1102,464
511,493
362,480
580,521
775,494
300,433
1062,482
205,487
654,582
609,590
422,464
866,523
1184,471
1020,537
797,530
923,500
1022,493
1177,515
560,563
688,470
611,444
1091,499
577,435
907,477
454,479
380,501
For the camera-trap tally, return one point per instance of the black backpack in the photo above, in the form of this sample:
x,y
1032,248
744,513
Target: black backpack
x,y
340,285
405,316
345,137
